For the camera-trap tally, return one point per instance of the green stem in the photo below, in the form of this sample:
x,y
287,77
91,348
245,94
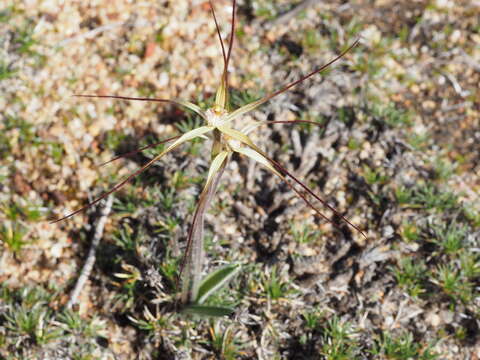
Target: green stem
x,y
195,256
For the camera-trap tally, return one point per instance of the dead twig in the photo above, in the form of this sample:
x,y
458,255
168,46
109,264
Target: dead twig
x,y
88,266
89,34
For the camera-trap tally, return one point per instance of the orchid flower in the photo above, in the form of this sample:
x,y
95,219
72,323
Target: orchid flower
x,y
219,124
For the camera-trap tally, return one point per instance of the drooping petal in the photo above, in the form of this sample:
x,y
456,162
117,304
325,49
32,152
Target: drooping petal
x,y
246,141
251,127
258,158
139,150
185,137
235,134
192,134
267,163
184,103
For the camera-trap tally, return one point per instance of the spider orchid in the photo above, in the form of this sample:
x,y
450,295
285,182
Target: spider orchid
x,y
219,123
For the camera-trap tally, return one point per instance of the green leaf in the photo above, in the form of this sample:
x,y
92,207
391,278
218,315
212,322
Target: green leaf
x,y
215,280
208,310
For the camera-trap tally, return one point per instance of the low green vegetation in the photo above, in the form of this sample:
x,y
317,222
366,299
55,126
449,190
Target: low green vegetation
x,y
28,322
402,347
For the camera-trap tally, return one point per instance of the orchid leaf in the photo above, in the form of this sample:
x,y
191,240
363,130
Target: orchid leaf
x,y
213,311
216,280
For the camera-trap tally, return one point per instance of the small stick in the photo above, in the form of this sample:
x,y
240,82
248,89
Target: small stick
x,y
88,266
90,34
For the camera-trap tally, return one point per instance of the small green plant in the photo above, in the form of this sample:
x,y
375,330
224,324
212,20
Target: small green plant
x,y
28,321
6,71
32,323
273,285
472,215
450,237
129,280
470,264
26,318
353,144
418,141
265,9
411,276
373,177
73,324
403,195
303,233
390,115
426,196
23,40
223,342
339,341
12,234
126,239
14,212
443,169
312,318
410,232
229,137
403,347
312,39
453,283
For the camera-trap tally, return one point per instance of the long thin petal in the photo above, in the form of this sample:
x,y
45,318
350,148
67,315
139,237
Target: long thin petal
x,y
266,162
309,191
185,137
178,102
249,107
250,128
245,140
237,135
258,158
139,150
189,136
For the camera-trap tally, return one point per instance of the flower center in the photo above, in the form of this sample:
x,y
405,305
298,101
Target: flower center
x,y
216,117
